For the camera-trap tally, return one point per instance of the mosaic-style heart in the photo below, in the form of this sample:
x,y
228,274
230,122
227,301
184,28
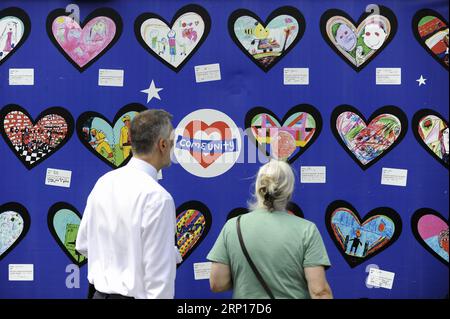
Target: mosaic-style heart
x,y
431,131
359,239
300,127
83,45
431,230
34,141
63,222
14,225
175,43
109,141
368,143
358,45
266,43
15,28
431,31
292,208
193,224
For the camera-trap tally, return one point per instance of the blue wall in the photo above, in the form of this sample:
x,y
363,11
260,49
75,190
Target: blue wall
x,y
243,86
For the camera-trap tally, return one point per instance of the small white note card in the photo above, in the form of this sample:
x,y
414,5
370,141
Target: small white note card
x,y
20,272
380,278
159,175
202,270
21,76
296,76
207,73
313,174
58,177
108,77
394,176
388,76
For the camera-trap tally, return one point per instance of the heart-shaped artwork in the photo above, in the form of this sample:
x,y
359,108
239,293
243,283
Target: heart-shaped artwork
x,y
14,225
266,43
34,141
193,224
207,143
292,208
431,31
15,28
431,230
286,139
83,44
359,239
63,222
368,143
358,43
108,141
175,43
431,131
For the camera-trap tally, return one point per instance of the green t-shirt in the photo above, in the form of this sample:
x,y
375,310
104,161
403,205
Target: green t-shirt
x,y
281,245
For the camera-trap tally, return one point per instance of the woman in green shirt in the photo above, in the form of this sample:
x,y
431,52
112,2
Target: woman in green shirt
x,y
286,250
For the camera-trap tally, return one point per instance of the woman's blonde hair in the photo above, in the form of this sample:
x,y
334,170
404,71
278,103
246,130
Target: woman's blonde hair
x,y
274,186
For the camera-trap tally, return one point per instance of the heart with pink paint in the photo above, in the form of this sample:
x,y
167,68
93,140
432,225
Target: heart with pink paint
x,y
83,44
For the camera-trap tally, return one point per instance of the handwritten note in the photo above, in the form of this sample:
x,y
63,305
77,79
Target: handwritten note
x,y
394,176
207,73
58,177
296,76
20,272
388,76
380,278
202,270
313,174
110,77
21,76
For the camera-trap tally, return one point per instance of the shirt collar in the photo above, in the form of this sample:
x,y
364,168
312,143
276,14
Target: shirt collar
x,y
143,166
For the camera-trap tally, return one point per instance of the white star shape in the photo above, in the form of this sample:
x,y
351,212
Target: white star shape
x,y
421,80
152,92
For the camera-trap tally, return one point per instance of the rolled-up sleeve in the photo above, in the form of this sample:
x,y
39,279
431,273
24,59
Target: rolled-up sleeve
x,y
158,240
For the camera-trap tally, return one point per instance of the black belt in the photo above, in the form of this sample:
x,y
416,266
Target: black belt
x,y
102,295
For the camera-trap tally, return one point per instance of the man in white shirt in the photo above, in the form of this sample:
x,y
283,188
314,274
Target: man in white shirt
x,y
128,227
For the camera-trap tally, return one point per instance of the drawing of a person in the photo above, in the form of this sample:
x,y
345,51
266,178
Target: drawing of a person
x,y
10,31
172,45
101,143
356,242
124,140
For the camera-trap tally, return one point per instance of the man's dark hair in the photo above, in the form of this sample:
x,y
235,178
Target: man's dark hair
x,y
147,128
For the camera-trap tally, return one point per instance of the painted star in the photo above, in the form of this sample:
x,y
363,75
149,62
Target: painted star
x,y
421,80
152,92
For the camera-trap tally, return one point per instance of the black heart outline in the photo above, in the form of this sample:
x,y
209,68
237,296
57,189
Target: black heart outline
x,y
415,22
107,12
414,222
415,125
386,211
291,206
388,109
23,16
188,8
202,208
23,212
136,107
288,10
52,110
384,11
51,214
307,108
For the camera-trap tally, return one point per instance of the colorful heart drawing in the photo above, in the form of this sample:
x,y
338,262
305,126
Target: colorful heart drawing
x,y
359,239
109,141
368,143
431,131
14,225
207,143
63,222
286,139
431,31
83,44
266,43
175,43
358,45
292,208
431,230
15,27
34,141
193,223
